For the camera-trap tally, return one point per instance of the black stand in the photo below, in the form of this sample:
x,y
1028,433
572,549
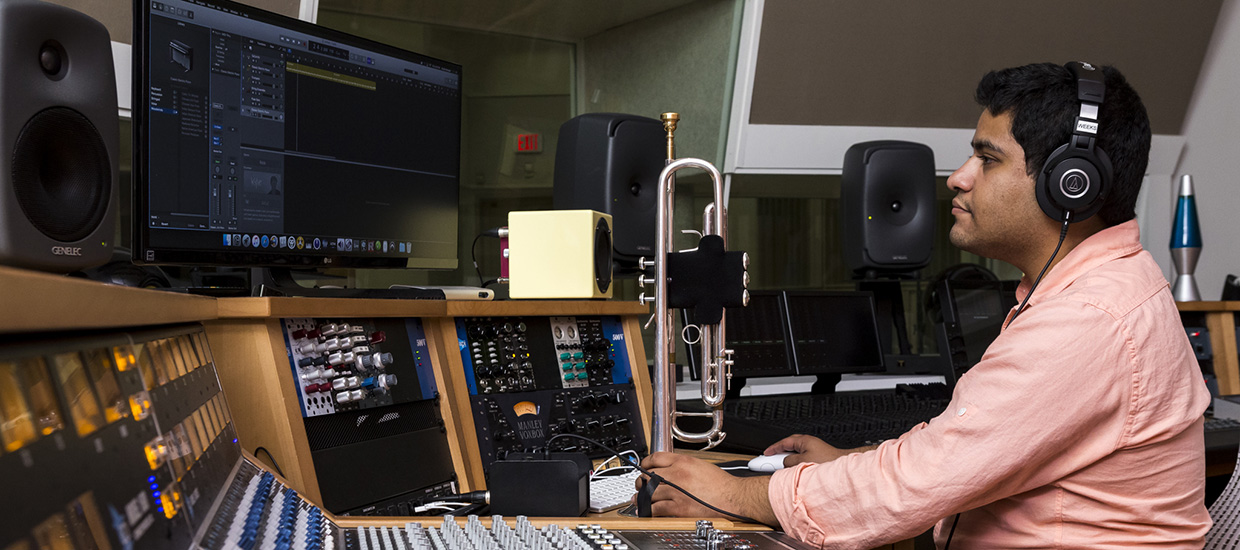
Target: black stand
x,y
825,384
278,281
889,299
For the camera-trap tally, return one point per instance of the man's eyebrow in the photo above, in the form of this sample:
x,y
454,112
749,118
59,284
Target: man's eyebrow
x,y
986,145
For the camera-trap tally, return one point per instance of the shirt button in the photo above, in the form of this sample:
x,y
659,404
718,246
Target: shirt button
x,y
961,411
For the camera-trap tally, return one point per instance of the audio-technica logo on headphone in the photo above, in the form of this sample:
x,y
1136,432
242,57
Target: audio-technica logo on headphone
x,y
1074,183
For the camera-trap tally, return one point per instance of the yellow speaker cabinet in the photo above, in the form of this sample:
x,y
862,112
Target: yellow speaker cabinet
x,y
559,254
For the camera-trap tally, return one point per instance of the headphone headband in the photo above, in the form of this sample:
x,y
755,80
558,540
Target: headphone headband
x,y
1075,176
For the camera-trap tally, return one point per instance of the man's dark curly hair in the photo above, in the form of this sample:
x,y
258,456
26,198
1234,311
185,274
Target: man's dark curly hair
x,y
1042,101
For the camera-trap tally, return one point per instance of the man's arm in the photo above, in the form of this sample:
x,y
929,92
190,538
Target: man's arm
x,y
743,496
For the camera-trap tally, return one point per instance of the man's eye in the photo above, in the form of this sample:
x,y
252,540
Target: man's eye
x,y
985,159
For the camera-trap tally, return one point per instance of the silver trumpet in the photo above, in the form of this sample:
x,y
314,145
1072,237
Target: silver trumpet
x,y
716,358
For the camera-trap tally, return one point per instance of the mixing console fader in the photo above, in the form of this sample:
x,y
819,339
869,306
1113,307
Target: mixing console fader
x,y
256,511
523,535
531,378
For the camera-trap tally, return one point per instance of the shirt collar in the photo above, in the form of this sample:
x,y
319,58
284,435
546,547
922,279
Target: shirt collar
x,y
1113,242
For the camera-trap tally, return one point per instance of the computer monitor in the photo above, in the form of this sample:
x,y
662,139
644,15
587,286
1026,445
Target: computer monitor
x,y
834,332
261,140
973,314
757,334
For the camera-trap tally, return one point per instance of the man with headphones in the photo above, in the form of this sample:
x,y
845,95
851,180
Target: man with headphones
x,y
1082,424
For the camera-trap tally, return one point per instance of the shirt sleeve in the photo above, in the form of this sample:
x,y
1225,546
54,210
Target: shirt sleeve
x,y
1051,395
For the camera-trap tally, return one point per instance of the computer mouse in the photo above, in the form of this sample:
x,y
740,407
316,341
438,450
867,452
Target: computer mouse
x,y
766,463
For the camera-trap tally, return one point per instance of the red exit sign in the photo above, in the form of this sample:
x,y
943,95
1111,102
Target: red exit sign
x,y
529,143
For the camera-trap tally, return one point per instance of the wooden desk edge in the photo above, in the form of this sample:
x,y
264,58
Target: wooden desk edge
x,y
38,301
262,307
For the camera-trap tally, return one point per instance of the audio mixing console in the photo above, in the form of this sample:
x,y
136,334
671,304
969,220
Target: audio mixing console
x,y
257,511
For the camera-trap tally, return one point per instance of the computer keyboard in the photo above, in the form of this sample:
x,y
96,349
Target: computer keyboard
x,y
611,492
844,419
1222,433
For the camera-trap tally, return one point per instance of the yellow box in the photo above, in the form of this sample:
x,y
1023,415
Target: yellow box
x,y
559,254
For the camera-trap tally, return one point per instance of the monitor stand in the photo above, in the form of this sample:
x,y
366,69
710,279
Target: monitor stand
x,y
279,281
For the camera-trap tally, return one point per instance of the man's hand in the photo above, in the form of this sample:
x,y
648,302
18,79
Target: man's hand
x,y
807,448
745,496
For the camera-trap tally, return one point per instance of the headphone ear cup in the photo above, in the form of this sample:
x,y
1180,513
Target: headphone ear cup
x,y
1073,182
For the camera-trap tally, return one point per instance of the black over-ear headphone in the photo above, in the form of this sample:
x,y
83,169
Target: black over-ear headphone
x,y
1077,176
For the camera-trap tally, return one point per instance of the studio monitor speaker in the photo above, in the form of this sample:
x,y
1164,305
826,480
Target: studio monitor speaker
x,y
610,163
58,138
887,207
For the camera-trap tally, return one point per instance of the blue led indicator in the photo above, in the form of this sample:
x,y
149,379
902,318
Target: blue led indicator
x,y
156,493
154,486
151,479
234,440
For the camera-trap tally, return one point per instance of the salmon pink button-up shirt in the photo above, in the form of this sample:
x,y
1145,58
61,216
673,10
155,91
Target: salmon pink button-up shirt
x,y
1081,427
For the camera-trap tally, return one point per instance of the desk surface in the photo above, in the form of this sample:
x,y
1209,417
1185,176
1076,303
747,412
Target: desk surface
x,y
34,301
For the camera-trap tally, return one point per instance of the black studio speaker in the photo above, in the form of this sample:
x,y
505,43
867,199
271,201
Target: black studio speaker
x,y
58,138
887,208
610,163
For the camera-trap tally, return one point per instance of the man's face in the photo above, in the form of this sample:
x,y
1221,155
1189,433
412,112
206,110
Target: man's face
x,y
995,207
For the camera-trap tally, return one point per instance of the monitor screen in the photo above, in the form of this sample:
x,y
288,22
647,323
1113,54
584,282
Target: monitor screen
x,y
834,332
974,312
757,335
261,140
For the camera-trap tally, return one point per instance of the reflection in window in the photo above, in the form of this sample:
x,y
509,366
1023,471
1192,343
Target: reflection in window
x,y
16,421
86,524
43,401
99,363
146,364
53,534
124,358
203,348
83,406
20,545
185,353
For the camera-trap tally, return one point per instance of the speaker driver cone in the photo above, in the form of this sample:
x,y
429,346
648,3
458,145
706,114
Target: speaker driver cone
x,y
61,174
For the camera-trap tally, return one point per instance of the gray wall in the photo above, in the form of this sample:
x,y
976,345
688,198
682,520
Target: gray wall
x,y
1212,156
681,60
117,15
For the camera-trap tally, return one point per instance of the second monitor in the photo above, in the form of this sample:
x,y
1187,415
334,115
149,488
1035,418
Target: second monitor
x,y
782,333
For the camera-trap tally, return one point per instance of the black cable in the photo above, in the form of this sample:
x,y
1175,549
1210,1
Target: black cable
x,y
467,510
653,476
948,544
473,255
274,464
1063,234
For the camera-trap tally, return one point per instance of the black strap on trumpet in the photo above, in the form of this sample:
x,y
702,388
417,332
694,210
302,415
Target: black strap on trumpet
x,y
706,280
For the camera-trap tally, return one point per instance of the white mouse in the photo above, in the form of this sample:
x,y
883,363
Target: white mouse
x,y
765,463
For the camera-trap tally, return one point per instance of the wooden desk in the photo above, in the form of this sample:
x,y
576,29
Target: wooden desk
x,y
1221,322
248,340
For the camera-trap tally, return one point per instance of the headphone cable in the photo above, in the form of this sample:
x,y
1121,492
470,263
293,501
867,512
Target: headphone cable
x,y
1063,234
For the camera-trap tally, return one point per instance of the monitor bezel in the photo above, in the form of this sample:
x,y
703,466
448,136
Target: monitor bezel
x,y
140,228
